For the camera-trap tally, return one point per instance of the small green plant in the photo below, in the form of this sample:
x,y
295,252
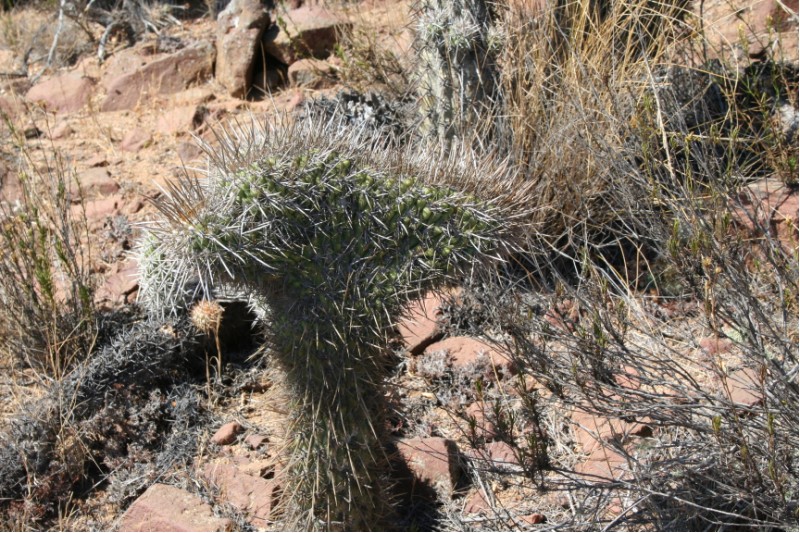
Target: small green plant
x,y
334,239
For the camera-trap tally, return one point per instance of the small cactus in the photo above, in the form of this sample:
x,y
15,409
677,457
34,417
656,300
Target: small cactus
x,y
334,235
457,76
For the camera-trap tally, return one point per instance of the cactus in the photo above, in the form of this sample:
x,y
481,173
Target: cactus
x,y
457,76
336,235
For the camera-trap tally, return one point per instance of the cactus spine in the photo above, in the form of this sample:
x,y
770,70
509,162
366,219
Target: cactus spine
x,y
336,236
457,44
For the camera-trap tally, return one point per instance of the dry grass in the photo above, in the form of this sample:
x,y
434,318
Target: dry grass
x,y
48,318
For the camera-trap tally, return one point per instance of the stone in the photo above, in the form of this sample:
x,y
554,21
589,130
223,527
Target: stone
x,y
484,427
252,495
593,431
66,93
10,107
166,74
310,73
714,345
758,22
256,441
167,508
181,119
135,140
95,180
533,519
603,465
418,326
769,204
743,388
240,28
475,502
189,151
227,433
309,31
432,461
61,131
465,351
98,210
121,286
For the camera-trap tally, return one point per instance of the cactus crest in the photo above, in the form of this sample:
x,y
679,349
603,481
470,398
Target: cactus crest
x,y
334,235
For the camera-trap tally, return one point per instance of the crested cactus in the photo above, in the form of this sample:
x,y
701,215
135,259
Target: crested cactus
x,y
334,235
457,75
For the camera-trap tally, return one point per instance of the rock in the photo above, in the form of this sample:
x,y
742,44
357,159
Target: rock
x,y
714,345
121,286
603,465
758,22
256,441
484,428
181,119
475,502
310,73
250,494
533,519
167,508
167,74
465,351
98,210
593,431
418,327
62,94
309,31
769,204
227,433
743,388
95,180
135,140
98,160
189,151
10,107
239,30
60,131
433,461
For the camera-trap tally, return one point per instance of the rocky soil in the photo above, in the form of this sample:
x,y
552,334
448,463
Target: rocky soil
x,y
464,431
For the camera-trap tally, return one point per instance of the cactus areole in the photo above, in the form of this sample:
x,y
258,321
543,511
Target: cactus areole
x,y
334,237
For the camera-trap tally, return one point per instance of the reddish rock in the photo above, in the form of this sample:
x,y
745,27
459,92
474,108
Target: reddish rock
x,y
252,495
296,99
227,433
533,519
564,315
479,412
770,205
98,210
239,30
603,464
61,131
418,326
715,345
189,151
592,431
181,119
475,502
256,441
433,461
121,286
309,31
165,74
135,140
167,508
95,180
466,351
97,161
62,94
10,107
311,73
727,23
743,388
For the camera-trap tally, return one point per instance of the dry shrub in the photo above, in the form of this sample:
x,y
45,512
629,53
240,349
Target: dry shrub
x,y
47,313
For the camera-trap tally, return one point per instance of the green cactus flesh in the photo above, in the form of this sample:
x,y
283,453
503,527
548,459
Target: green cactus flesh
x,y
337,249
